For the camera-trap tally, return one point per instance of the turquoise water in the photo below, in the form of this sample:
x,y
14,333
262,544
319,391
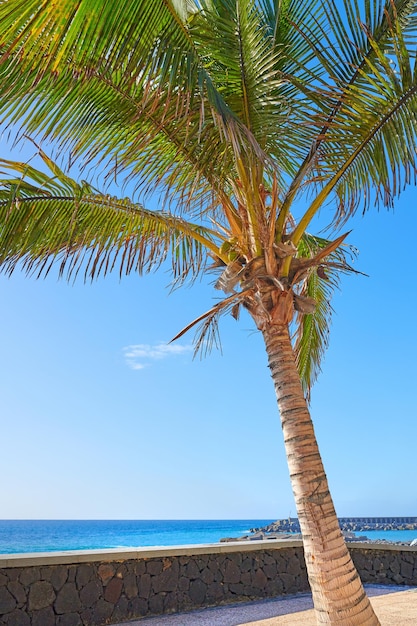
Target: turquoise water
x,y
390,535
52,535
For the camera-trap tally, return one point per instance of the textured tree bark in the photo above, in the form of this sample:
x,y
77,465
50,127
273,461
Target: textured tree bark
x,y
338,594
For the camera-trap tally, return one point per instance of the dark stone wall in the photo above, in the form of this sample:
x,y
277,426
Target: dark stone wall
x,y
385,567
98,593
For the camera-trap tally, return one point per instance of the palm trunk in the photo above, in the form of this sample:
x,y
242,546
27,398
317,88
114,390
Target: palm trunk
x,y
338,594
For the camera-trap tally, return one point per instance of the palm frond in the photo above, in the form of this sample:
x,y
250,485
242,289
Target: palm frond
x,y
53,220
357,102
125,85
207,334
312,329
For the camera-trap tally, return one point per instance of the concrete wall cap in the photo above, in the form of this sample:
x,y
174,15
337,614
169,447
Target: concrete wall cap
x,y
117,554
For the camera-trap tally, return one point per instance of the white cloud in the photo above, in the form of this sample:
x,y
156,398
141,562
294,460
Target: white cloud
x,y
141,355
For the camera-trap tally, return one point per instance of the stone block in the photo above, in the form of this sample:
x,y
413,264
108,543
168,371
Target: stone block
x,y
366,576
237,589
236,557
378,565
191,570
69,619
281,563
293,566
167,580
121,610
288,582
197,592
406,570
156,604
183,584
207,576
202,562
232,572
131,588
113,590
358,560
67,600
274,587
7,601
102,611
154,567
138,607
44,617
105,572
270,570
14,573
72,572
395,566
144,586
269,559
59,576
18,592
41,595
29,575
170,602
90,594
85,573
121,571
259,580
17,618
254,592
139,568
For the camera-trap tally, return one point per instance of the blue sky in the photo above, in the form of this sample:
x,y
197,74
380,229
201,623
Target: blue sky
x,y
101,419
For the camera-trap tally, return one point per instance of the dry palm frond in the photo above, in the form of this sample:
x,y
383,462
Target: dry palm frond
x,y
207,335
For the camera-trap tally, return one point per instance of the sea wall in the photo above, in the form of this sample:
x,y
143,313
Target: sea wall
x,y
95,588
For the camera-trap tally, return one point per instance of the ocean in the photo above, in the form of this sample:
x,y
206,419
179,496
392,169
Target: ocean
x,y
51,535
18,536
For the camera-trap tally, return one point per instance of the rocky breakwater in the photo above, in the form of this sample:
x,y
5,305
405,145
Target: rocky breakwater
x,y
354,524
349,526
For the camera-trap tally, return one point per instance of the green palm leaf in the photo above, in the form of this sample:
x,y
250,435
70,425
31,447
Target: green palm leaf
x,y
360,105
231,111
311,334
152,101
55,220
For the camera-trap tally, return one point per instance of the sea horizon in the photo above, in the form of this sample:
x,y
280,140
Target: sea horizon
x,y
48,535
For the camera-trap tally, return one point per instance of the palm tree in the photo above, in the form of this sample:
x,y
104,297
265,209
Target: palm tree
x,y
247,118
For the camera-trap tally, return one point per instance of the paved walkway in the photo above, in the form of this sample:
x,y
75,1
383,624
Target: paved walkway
x,y
395,606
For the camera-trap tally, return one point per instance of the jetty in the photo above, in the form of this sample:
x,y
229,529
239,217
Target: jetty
x,y
348,524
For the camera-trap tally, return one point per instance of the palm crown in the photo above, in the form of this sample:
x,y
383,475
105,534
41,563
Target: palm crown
x,y
237,113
